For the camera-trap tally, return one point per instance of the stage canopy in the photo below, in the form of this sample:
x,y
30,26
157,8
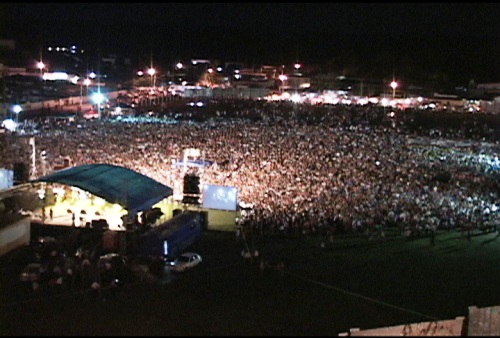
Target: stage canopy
x,y
132,190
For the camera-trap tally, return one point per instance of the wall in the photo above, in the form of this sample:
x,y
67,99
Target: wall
x,y
452,327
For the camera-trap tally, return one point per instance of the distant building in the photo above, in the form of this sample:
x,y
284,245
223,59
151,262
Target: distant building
x,y
252,79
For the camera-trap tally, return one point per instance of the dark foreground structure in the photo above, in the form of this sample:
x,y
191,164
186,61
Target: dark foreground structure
x,y
479,322
168,240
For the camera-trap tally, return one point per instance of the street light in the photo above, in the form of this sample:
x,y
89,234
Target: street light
x,y
394,85
297,67
98,98
282,78
152,72
85,82
17,109
40,65
178,66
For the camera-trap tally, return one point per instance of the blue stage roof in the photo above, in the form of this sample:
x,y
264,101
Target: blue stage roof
x,y
133,191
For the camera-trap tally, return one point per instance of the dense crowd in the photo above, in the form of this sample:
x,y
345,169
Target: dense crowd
x,y
304,167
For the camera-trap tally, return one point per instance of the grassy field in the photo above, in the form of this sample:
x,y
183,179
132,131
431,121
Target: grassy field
x,y
352,282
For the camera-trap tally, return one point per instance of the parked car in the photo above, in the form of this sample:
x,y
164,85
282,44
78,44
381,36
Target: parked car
x,y
185,261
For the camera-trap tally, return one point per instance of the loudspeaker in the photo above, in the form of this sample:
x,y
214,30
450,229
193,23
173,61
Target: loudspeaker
x,y
21,174
186,199
191,184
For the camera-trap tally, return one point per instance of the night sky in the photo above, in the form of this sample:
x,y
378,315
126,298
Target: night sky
x,y
461,41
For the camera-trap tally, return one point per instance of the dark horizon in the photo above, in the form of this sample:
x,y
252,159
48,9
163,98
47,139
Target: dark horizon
x,y
458,42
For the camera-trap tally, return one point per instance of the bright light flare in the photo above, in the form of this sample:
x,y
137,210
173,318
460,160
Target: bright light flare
x,y
98,97
385,102
9,124
295,98
17,109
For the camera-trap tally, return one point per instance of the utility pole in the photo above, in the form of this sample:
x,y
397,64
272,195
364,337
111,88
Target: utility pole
x,y
33,172
99,83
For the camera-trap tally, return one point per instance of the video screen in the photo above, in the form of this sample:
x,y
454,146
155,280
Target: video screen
x,y
220,197
6,179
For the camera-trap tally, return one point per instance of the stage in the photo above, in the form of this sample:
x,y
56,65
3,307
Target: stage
x,y
81,213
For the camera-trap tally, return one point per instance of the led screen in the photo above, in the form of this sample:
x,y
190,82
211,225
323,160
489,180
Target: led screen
x,y
6,179
220,197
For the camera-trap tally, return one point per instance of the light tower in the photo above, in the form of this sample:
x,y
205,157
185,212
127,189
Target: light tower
x,y
394,85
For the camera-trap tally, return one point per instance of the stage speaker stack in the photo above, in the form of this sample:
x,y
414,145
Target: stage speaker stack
x,y
191,189
21,174
191,184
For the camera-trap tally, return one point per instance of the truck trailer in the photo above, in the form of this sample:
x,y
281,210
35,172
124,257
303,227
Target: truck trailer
x,y
169,239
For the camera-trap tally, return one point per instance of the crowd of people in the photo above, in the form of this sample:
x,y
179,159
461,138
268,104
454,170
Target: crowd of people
x,y
305,167
61,264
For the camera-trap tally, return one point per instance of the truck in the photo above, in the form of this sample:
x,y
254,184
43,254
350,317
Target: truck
x,y
169,239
